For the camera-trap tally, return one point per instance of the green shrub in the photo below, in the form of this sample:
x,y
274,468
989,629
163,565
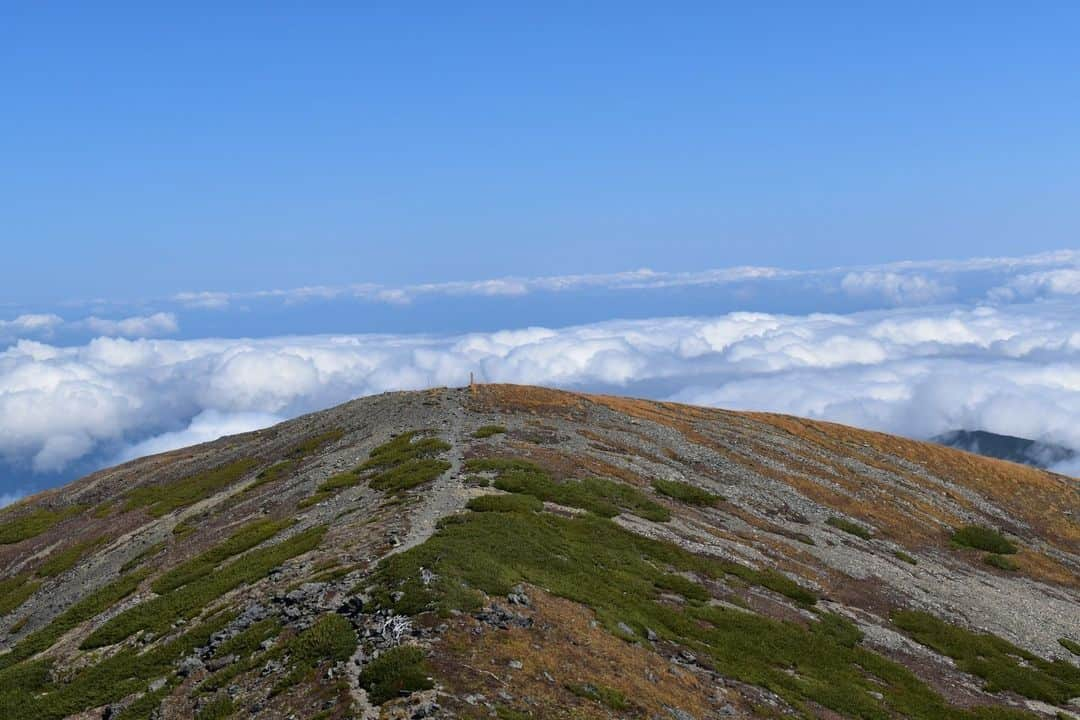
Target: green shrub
x,y
486,431
163,498
402,449
681,586
272,473
217,709
773,580
308,447
313,499
145,706
1070,645
400,670
901,555
90,606
249,640
1000,562
34,523
505,713
687,493
1001,664
331,638
409,474
188,600
244,539
64,560
614,572
983,538
113,678
403,463
142,557
293,456
505,503
184,528
849,527
15,590
606,696
602,497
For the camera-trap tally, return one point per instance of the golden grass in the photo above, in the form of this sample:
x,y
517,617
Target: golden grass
x,y
563,643
914,512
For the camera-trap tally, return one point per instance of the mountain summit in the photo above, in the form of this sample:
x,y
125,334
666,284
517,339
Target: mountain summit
x,y
517,552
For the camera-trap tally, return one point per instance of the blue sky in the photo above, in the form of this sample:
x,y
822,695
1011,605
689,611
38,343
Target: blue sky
x,y
150,150
218,216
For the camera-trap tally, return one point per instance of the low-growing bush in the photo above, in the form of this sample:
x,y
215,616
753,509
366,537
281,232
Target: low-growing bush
x,y
682,586
63,560
400,670
505,503
486,431
309,446
187,601
217,709
1070,645
142,557
250,639
162,498
90,606
34,523
277,470
603,497
687,493
606,696
15,590
901,555
114,677
1000,663
1001,562
244,539
983,538
849,527
409,474
144,707
404,448
293,456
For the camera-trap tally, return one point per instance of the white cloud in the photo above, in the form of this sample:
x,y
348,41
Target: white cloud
x,y
32,322
204,427
45,324
160,323
1012,369
204,299
8,498
897,288
900,283
1068,467
1061,281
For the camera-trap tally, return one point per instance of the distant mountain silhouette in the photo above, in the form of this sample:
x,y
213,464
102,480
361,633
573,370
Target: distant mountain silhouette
x,y
1006,447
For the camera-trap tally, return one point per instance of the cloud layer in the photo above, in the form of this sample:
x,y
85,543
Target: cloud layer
x,y
1013,369
902,283
1003,355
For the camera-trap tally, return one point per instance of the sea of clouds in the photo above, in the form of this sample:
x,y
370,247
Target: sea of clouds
x,y
933,355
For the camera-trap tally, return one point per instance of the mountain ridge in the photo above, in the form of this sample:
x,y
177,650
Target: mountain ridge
x,y
429,521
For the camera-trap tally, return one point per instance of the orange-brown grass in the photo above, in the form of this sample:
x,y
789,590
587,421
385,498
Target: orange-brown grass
x,y
527,398
1037,497
563,643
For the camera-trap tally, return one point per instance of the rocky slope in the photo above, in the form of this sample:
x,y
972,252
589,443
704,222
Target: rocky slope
x,y
517,552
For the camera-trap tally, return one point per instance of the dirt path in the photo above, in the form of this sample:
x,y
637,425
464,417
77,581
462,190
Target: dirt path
x,y
448,493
